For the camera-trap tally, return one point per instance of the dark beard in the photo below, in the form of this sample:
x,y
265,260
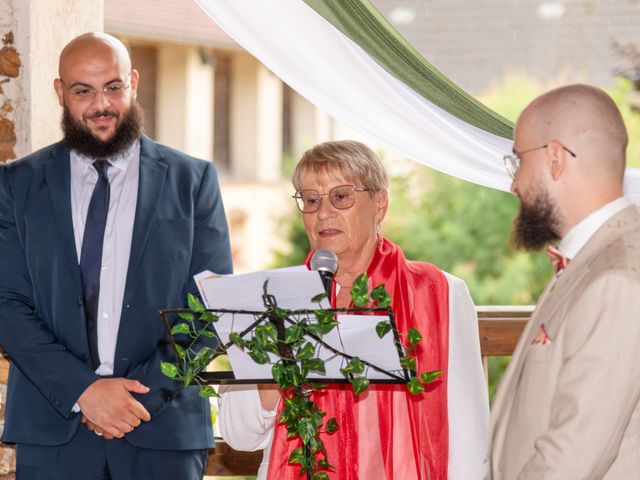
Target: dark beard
x,y
536,224
79,138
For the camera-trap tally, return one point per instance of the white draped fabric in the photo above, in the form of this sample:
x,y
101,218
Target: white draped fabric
x,y
335,74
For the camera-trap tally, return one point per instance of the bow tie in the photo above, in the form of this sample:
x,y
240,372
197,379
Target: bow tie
x,y
558,259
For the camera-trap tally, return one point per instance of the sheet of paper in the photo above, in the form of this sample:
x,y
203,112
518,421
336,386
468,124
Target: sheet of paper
x,y
356,336
293,289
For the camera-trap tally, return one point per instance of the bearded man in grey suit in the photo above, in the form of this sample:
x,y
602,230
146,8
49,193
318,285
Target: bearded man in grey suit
x,y
568,405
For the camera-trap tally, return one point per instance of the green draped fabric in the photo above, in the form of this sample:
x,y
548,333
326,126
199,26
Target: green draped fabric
x,y
366,26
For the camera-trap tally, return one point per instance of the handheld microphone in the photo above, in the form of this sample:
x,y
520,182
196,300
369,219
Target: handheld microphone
x,y
325,262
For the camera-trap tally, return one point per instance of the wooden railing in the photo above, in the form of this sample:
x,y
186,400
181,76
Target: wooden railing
x,y
499,327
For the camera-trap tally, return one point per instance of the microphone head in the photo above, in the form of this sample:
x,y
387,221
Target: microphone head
x,y
324,260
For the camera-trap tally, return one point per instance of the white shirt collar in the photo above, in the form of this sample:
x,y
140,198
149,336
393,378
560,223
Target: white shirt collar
x,y
579,235
120,161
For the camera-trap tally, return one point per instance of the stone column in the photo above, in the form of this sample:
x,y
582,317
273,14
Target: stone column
x,y
33,33
256,121
185,111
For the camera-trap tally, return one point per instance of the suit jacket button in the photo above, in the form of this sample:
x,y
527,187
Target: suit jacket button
x,y
84,358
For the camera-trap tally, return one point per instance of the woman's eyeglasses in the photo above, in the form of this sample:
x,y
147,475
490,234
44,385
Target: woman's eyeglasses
x,y
341,197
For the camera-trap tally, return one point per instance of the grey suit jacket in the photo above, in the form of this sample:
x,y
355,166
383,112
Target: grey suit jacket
x,y
569,408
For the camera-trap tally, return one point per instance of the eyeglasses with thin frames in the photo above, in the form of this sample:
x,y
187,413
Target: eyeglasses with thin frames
x,y
512,160
84,93
341,197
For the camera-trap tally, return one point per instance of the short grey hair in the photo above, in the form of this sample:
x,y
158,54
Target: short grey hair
x,y
354,160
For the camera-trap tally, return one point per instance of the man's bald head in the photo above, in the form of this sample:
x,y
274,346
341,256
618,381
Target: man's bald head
x,y
91,45
97,89
585,120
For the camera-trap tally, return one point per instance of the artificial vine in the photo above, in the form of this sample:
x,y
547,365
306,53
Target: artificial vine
x,y
294,337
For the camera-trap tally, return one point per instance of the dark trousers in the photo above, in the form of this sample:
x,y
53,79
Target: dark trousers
x,y
90,457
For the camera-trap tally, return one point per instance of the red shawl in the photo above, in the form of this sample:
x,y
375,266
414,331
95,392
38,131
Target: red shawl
x,y
418,444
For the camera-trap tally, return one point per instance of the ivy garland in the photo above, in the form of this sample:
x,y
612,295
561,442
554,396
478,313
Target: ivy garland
x,y
300,336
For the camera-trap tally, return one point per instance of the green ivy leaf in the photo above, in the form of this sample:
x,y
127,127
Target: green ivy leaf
x,y
208,317
359,384
318,298
413,336
313,365
181,351
281,312
293,333
414,386
359,291
408,362
207,333
294,376
180,328
355,365
306,352
296,456
259,356
324,328
278,373
271,331
260,335
320,476
430,376
169,369
324,316
380,295
207,392
236,339
203,356
382,328
306,429
331,426
194,303
186,316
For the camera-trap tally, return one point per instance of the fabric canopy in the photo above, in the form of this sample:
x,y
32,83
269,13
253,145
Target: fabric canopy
x,y
374,81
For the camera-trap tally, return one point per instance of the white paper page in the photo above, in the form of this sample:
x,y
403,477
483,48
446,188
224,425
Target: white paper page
x,y
293,289
356,336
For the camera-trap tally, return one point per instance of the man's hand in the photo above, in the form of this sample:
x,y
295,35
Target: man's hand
x,y
92,427
109,408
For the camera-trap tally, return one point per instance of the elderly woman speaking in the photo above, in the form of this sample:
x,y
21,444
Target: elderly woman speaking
x,y
386,432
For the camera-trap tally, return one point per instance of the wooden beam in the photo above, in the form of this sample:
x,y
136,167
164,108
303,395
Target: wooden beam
x,y
225,461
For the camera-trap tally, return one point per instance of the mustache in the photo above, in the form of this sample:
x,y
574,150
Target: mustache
x,y
103,113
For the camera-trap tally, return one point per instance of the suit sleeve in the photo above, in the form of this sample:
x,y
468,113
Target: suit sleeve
x,y
468,403
598,384
58,374
210,251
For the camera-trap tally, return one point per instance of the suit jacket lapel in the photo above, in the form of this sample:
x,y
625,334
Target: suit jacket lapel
x,y
57,171
150,185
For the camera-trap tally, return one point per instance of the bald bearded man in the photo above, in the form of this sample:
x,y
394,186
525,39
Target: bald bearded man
x,y
97,233
568,405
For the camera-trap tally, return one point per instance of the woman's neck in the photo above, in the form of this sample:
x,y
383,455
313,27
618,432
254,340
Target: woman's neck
x,y
351,267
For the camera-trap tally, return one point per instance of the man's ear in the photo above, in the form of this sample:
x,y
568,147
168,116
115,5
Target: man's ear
x,y
134,83
57,86
557,159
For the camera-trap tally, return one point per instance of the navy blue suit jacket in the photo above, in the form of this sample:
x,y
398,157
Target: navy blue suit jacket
x,y
180,229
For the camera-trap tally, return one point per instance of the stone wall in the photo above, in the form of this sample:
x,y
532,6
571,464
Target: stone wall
x,y
7,452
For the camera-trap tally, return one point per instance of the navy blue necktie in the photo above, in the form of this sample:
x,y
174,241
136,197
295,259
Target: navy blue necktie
x,y
91,255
